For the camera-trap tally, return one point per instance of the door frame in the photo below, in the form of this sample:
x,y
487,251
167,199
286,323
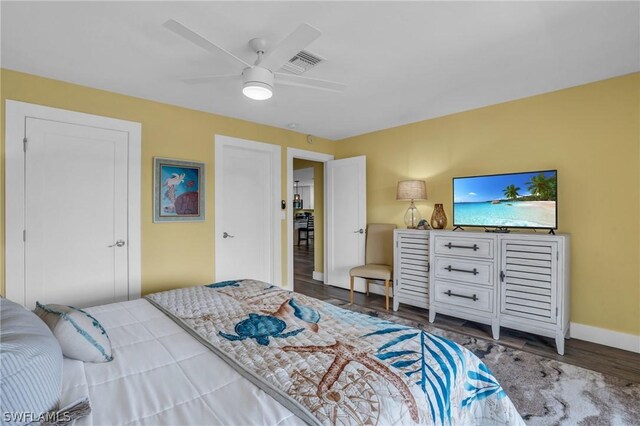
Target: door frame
x,y
16,114
276,192
312,156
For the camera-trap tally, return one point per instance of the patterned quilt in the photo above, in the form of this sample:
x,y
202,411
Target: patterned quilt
x,y
333,366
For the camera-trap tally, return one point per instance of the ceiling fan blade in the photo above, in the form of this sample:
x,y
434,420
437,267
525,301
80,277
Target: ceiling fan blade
x,y
197,39
210,78
300,38
312,83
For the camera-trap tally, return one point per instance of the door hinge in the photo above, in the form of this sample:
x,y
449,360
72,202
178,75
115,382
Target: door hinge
x,y
558,255
24,235
24,144
556,311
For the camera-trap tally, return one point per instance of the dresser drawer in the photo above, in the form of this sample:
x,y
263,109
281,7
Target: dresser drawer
x,y
467,247
480,299
471,271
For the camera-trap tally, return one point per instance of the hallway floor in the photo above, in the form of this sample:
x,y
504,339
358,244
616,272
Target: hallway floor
x,y
303,263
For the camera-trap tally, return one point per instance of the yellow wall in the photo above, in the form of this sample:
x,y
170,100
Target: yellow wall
x,y
167,131
590,133
318,209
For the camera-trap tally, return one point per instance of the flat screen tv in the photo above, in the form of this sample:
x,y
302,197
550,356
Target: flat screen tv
x,y
513,200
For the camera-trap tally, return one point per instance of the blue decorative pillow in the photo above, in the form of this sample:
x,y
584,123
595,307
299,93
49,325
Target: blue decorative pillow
x,y
80,335
30,366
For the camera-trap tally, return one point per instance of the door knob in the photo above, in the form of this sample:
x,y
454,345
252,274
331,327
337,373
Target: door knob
x,y
118,243
225,235
359,231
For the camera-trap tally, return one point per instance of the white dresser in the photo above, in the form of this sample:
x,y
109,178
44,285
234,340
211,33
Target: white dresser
x,y
411,268
518,280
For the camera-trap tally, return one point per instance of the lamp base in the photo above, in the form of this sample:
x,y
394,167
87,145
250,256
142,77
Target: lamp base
x,y
412,216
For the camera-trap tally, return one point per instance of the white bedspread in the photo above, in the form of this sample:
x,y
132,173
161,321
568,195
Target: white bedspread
x,y
162,375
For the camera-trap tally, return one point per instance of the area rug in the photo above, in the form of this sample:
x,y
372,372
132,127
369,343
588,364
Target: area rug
x,y
545,391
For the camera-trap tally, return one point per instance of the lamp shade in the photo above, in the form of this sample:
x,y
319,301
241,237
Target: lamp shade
x,y
411,190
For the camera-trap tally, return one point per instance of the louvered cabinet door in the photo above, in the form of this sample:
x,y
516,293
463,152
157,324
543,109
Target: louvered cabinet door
x,y
411,268
529,279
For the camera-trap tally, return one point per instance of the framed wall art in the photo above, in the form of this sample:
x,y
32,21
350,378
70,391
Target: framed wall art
x,y
178,190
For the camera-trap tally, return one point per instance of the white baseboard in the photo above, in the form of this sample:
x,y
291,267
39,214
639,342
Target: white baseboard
x,y
318,276
616,339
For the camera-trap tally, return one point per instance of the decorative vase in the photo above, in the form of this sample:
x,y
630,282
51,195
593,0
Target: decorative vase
x,y
438,218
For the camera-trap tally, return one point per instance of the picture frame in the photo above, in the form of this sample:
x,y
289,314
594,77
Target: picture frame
x,y
178,190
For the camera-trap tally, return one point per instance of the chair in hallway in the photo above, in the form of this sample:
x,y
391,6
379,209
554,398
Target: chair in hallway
x,y
378,258
308,231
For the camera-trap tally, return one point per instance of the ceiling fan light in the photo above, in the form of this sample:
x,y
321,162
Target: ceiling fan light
x,y
257,91
257,83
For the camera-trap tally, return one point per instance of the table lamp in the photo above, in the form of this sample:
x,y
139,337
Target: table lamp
x,y
411,190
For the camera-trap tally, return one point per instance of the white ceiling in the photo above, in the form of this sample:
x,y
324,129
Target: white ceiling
x,y
403,61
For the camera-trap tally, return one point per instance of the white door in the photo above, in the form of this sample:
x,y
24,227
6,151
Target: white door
x,y
346,212
247,203
75,214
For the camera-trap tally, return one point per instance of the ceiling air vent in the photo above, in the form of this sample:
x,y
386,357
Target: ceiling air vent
x,y
302,62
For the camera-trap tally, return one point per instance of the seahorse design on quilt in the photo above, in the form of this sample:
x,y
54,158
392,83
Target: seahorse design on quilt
x,y
291,310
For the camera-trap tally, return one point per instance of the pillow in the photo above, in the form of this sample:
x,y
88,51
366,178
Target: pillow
x,y
30,365
80,335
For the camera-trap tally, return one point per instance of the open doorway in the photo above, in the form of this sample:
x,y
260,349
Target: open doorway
x,y
308,221
309,247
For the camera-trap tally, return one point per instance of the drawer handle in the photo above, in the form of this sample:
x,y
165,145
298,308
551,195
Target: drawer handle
x,y
473,247
450,269
474,297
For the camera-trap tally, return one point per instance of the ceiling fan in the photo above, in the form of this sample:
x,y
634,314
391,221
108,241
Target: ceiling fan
x,y
258,79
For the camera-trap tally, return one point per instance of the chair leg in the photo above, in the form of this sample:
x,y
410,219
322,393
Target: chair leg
x,y
386,290
367,281
351,286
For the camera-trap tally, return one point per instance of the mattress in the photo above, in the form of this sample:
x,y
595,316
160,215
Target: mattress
x,y
162,375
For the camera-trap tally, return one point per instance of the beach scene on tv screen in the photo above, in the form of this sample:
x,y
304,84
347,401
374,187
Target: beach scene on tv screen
x,y
515,200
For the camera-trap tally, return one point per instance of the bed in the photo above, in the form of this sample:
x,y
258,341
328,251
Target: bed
x,y
249,353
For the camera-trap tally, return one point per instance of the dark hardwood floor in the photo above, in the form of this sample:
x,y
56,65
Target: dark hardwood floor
x,y
607,360
303,263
